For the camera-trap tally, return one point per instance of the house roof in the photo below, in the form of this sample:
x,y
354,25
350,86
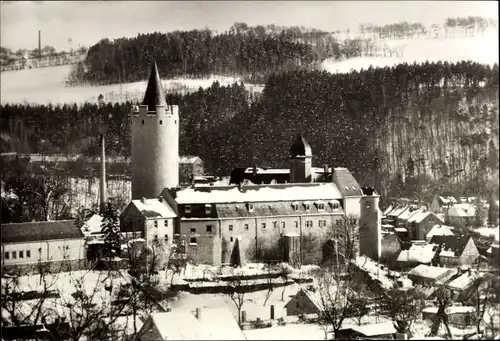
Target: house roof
x,y
300,147
213,324
418,253
419,217
231,210
313,297
387,210
462,211
451,310
439,230
347,184
426,271
464,281
41,230
257,193
454,243
154,208
374,329
154,92
409,213
447,200
397,211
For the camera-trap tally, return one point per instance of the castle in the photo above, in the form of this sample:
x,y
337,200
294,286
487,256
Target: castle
x,y
235,223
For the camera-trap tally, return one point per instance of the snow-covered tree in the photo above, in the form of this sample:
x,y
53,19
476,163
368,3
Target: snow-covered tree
x,y
110,228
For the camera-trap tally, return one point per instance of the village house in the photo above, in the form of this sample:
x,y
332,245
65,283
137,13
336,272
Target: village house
x,y
304,302
458,316
440,230
202,324
440,204
461,216
58,243
418,253
456,250
430,275
392,216
468,282
421,223
402,219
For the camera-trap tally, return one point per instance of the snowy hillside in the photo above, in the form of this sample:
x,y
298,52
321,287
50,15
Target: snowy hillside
x,y
47,85
478,49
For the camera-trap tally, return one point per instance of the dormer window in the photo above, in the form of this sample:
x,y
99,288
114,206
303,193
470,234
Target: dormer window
x,y
295,206
307,206
321,206
250,207
208,209
187,209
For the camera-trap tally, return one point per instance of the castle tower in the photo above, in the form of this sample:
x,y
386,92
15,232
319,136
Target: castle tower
x,y
370,224
300,161
155,142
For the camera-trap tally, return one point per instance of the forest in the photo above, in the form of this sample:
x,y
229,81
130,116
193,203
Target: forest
x,y
345,118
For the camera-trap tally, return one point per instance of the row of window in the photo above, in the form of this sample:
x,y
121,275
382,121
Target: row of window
x,y
321,207
165,223
308,223
21,254
156,238
161,122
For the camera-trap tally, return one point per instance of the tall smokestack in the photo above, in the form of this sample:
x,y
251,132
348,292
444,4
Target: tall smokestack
x,y
102,184
39,44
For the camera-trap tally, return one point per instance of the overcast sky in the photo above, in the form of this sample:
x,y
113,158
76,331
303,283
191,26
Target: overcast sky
x,y
88,22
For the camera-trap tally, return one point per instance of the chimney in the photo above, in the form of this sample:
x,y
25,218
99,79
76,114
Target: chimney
x,y
160,198
168,309
198,313
254,169
102,184
39,44
143,200
325,169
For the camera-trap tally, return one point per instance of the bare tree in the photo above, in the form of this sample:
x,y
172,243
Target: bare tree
x,y
238,295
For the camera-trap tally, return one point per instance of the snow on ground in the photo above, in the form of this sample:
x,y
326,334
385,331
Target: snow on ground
x,y
489,232
47,85
288,332
374,271
478,49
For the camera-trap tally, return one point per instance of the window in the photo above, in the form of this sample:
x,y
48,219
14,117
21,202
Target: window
x,y
209,228
165,223
28,253
322,223
296,224
246,227
161,122
282,224
40,250
230,227
193,229
231,239
142,122
208,209
187,209
307,206
309,223
295,206
321,206
156,238
250,207
192,240
6,255
339,223
335,205
156,223
21,254
166,238
275,224
14,254
263,225
368,204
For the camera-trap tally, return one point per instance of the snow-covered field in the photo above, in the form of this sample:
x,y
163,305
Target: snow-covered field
x,y
478,49
47,85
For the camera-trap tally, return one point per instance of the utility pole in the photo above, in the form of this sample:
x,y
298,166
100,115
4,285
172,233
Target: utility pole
x,y
39,44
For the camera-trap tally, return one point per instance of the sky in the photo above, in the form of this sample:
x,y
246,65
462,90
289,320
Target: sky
x,y
87,22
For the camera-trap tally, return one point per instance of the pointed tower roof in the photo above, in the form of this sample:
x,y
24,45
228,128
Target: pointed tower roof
x,y
154,92
300,147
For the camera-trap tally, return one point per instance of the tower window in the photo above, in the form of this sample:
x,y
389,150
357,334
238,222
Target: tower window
x,y
142,121
368,205
231,239
161,122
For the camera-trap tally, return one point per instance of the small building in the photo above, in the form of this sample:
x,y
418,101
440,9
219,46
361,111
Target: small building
x,y
55,242
203,324
461,215
421,223
430,275
190,167
303,303
458,316
418,253
456,250
376,331
439,230
440,204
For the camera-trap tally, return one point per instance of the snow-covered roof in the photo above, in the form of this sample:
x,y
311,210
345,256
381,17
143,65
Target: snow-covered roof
x,y
462,210
451,310
418,253
439,230
374,329
387,210
154,208
258,193
93,225
268,170
427,271
396,212
401,229
464,280
213,324
409,213
419,217
448,200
